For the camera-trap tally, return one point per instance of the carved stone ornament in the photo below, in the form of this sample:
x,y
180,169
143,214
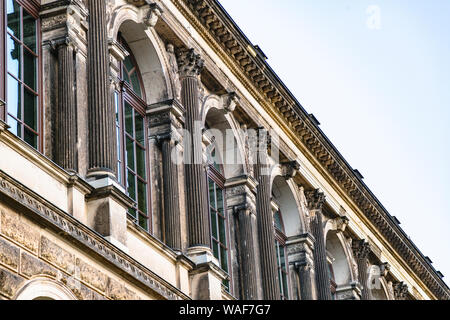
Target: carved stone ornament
x,y
290,169
361,249
190,64
400,290
315,199
153,14
230,101
174,75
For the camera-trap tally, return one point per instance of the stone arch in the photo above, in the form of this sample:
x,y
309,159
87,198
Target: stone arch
x,y
148,50
285,193
341,262
225,132
44,289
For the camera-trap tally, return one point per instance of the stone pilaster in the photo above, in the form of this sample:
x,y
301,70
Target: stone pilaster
x,y
301,259
190,66
316,199
269,268
172,232
65,151
361,250
101,126
400,291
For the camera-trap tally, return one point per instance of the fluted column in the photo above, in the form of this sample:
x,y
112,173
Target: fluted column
x,y
66,114
190,66
172,230
316,200
101,126
269,268
246,252
361,250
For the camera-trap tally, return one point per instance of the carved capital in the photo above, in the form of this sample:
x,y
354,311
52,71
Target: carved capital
x,y
400,290
315,199
190,64
384,269
230,101
153,14
361,249
341,223
290,169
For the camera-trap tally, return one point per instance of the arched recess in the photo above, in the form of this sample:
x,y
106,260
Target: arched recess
x,y
285,195
44,289
340,265
148,50
224,131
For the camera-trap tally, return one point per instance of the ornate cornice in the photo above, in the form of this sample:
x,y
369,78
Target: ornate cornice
x,y
67,226
216,22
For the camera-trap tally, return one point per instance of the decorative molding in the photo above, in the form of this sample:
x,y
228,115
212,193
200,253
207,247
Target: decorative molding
x,y
315,199
190,64
69,227
209,16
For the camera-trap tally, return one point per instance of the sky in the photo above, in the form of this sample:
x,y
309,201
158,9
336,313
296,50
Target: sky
x,y
376,74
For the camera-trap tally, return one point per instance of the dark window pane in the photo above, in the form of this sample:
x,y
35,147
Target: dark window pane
x,y
285,286
214,225
129,119
224,259
128,64
277,221
29,69
222,231
30,109
130,153
219,195
140,162
126,78
131,185
282,258
13,98
142,196
135,84
29,31
139,128
212,197
216,250
132,212
13,57
13,16
15,126
30,138
143,222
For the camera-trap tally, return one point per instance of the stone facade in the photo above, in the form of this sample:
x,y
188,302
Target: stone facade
x,y
67,229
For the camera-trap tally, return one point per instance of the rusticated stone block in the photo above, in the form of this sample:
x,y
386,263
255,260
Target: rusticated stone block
x,y
10,283
91,275
15,228
57,256
9,254
31,266
118,291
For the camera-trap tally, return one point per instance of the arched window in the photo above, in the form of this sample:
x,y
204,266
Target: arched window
x,y
218,214
20,65
131,139
280,249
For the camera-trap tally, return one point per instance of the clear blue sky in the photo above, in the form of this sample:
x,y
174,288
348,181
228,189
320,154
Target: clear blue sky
x,y
376,74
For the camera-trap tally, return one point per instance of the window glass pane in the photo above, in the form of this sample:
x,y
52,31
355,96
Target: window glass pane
x,y
15,126
142,196
29,69
135,84
282,259
219,195
212,197
132,212
13,57
222,233
277,221
224,259
285,286
214,224
139,128
13,16
30,109
14,101
130,153
30,138
29,31
140,162
129,119
216,250
131,185
128,64
143,222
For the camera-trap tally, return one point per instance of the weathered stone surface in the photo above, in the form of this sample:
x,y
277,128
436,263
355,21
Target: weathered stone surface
x,y
118,291
57,256
31,266
13,227
9,283
91,275
9,254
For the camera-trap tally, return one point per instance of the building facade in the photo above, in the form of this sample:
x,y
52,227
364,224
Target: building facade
x,y
148,151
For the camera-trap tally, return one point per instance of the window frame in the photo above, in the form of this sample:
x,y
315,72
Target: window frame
x,y
125,95
32,7
218,178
